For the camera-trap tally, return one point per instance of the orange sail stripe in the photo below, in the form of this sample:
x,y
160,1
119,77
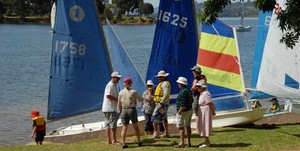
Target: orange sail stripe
x,y
218,61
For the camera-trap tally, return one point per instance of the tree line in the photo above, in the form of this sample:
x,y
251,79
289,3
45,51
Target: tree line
x,y
41,8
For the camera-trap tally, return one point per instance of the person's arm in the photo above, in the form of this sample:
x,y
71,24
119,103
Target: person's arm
x,y
112,98
212,108
194,87
33,131
120,103
166,90
137,96
148,96
210,103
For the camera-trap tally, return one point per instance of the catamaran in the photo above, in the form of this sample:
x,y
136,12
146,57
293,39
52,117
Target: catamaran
x,y
276,67
220,61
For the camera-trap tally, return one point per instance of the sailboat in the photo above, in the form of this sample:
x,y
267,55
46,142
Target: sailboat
x,y
276,67
175,43
241,27
219,60
81,65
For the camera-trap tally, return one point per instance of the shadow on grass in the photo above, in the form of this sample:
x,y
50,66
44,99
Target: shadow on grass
x,y
254,126
231,145
227,130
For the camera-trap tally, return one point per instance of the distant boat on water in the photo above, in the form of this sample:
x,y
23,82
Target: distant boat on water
x,y
241,27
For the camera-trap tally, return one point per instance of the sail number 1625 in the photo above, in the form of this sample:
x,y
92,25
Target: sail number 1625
x,y
175,19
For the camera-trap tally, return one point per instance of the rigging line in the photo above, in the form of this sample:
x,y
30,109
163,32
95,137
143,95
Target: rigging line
x,y
125,50
215,30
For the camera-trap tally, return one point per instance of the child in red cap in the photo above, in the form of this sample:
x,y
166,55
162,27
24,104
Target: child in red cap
x,y
38,127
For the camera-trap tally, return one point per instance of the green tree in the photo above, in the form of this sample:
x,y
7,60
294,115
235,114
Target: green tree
x,y
2,10
127,5
21,8
40,7
109,11
289,20
101,5
146,8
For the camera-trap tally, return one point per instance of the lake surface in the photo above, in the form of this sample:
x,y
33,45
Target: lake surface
x,y
25,66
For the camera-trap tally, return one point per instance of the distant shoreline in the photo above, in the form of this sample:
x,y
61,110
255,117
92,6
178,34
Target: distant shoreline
x,y
46,21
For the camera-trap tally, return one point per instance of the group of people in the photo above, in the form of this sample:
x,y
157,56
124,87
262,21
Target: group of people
x,y
155,107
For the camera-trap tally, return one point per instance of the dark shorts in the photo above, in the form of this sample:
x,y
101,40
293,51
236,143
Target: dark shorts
x,y
148,123
128,115
39,136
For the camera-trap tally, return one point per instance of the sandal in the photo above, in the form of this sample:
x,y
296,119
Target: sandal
x,y
125,146
179,146
166,136
156,135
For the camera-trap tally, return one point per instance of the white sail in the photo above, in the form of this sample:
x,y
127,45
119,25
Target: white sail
x,y
280,69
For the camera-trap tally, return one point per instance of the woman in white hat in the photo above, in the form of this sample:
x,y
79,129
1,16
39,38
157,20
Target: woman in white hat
x,y
148,107
206,110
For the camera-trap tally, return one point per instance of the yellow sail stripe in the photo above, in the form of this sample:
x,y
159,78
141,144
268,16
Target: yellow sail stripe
x,y
222,78
217,44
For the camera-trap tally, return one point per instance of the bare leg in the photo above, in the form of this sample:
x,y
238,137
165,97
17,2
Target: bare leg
x,y
166,126
137,131
108,136
155,128
188,131
123,133
207,140
181,133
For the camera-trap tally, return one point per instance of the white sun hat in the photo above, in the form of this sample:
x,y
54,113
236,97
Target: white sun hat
x,y
149,82
162,73
201,83
182,80
116,74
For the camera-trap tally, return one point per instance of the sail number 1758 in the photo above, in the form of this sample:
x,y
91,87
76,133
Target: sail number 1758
x,y
74,48
175,19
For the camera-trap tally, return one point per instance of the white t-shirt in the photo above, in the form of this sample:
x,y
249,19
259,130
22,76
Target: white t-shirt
x,y
109,105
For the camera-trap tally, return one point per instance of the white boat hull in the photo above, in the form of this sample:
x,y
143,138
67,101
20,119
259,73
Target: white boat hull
x,y
237,117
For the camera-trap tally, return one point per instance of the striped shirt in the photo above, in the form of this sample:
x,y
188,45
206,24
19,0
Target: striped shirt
x,y
184,99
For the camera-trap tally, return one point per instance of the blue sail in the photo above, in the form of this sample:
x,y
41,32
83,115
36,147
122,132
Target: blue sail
x,y
79,65
175,41
122,62
263,27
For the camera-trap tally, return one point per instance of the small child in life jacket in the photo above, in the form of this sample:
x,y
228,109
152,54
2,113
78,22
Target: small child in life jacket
x,y
38,127
275,107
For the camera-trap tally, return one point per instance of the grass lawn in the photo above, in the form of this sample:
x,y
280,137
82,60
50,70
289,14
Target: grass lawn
x,y
286,137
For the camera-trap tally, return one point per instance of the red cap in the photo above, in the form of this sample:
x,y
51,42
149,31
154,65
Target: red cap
x,y
128,80
35,113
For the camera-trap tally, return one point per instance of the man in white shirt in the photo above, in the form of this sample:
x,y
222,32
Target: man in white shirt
x,y
109,107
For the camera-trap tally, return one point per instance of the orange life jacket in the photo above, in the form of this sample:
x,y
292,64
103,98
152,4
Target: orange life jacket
x,y
40,122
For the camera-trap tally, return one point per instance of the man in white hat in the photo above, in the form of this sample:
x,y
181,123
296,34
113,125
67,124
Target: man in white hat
x,y
109,107
162,100
184,111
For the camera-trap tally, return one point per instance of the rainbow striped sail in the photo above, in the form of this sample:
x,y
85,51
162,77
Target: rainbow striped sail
x,y
219,59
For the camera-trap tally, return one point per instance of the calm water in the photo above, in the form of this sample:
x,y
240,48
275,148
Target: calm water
x,y
25,65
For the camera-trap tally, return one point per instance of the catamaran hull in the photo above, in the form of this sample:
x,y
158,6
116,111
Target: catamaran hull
x,y
232,118
79,132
